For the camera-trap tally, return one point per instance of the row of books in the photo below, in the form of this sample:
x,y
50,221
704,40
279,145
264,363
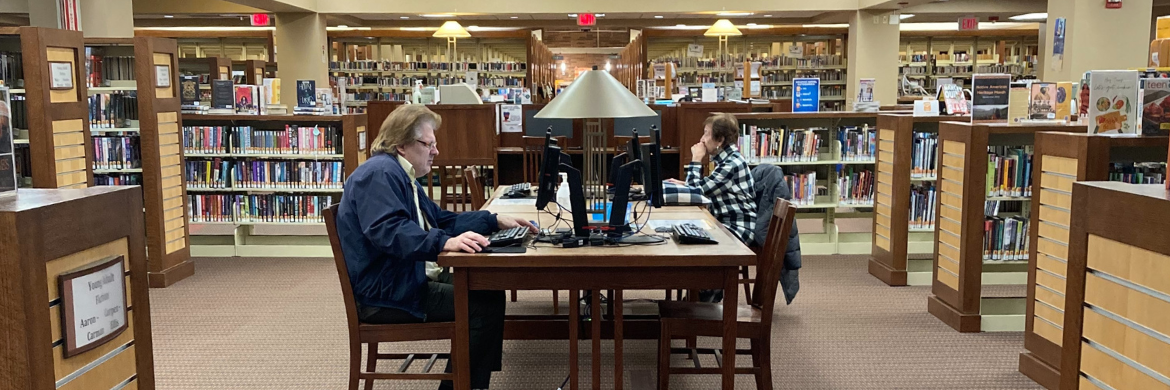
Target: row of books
x,y
804,188
19,111
1138,173
916,57
116,152
924,155
283,174
923,199
100,69
783,76
695,77
113,110
728,62
857,143
281,208
118,179
1005,239
12,69
1009,171
372,65
854,186
291,140
780,145
377,96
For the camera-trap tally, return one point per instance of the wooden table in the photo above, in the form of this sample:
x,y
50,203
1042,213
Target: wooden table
x,y
642,267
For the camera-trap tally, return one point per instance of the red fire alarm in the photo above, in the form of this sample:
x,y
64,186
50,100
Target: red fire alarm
x,y
259,19
586,19
1113,4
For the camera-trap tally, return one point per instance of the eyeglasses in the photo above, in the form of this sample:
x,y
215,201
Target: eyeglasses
x,y
429,145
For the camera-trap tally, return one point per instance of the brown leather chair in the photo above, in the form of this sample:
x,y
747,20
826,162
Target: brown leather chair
x,y
373,334
691,319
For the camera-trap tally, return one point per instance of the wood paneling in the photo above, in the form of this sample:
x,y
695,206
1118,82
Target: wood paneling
x,y
55,117
1139,347
1137,265
63,367
64,54
1115,373
167,60
1062,165
109,374
1048,332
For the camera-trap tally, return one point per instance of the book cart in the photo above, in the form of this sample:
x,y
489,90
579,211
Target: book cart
x,y
815,176
960,296
1061,159
254,197
906,159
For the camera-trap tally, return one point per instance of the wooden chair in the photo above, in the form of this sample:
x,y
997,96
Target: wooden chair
x,y
691,319
533,150
474,185
372,334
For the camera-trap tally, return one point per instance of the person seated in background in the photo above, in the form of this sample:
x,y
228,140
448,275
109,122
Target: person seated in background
x,y
392,233
729,186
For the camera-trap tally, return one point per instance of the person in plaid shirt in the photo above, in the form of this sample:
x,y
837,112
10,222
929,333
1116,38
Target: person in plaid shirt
x,y
730,184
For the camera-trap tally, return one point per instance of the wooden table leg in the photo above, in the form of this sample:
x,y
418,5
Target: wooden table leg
x,y
618,372
574,338
595,318
462,352
730,306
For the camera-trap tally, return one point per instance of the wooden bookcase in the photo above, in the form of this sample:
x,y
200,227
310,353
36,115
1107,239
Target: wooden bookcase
x,y
631,67
1061,159
242,238
1118,262
959,272
218,68
58,120
893,240
832,239
51,232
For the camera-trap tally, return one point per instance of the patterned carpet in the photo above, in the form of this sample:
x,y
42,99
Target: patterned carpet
x,y
279,324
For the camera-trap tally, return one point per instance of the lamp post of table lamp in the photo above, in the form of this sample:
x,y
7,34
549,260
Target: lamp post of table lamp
x,y
722,29
593,96
452,30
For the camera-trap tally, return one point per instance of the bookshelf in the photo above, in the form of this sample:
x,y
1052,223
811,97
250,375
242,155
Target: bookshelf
x,y
55,153
275,175
927,56
818,177
1061,159
783,54
542,77
385,64
631,66
12,75
905,177
114,107
960,270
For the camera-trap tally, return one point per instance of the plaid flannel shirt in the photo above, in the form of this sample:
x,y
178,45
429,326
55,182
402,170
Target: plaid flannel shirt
x,y
731,190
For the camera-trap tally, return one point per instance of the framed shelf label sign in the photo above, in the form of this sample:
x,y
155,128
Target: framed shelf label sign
x,y
93,304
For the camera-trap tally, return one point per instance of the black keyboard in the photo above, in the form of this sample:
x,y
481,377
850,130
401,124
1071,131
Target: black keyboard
x,y
688,234
519,190
508,237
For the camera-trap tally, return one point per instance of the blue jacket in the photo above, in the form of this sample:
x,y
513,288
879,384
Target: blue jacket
x,y
385,249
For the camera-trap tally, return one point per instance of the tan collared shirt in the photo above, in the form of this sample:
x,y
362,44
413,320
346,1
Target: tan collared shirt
x,y
433,269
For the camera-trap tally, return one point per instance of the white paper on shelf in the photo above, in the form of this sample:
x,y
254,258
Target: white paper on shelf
x,y
515,202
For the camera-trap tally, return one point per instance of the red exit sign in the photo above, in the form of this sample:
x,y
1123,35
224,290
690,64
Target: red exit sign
x,y
968,23
586,19
259,19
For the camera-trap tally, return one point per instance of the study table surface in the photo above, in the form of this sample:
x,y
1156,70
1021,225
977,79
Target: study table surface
x,y
665,265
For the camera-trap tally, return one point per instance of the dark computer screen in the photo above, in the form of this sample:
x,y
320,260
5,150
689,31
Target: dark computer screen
x,y
625,126
536,127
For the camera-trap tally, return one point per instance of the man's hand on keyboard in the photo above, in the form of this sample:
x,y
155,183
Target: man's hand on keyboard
x,y
508,222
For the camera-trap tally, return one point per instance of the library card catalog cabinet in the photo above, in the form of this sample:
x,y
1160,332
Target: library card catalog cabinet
x,y
74,305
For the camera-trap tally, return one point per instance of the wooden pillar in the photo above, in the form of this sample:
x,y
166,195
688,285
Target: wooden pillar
x,y
58,119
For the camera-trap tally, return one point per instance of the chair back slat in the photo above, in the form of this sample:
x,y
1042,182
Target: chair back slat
x,y
351,314
474,185
533,150
770,260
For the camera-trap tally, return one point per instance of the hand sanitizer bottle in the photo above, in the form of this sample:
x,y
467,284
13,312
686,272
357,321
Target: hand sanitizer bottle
x,y
563,193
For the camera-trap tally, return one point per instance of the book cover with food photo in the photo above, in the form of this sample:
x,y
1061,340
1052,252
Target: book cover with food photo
x,y
1112,96
1155,107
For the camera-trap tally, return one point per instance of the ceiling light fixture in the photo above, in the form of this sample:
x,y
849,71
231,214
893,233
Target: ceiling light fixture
x,y
751,24
767,16
436,15
342,26
905,16
515,17
168,16
600,15
404,17
657,16
572,15
734,14
680,25
1031,16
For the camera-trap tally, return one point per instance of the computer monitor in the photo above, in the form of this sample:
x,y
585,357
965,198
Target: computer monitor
x,y
549,172
535,127
624,174
652,169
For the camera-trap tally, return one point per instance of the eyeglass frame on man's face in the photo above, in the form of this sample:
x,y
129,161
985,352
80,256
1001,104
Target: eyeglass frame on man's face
x,y
429,145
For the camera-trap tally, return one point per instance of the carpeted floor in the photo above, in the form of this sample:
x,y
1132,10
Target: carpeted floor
x,y
279,324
